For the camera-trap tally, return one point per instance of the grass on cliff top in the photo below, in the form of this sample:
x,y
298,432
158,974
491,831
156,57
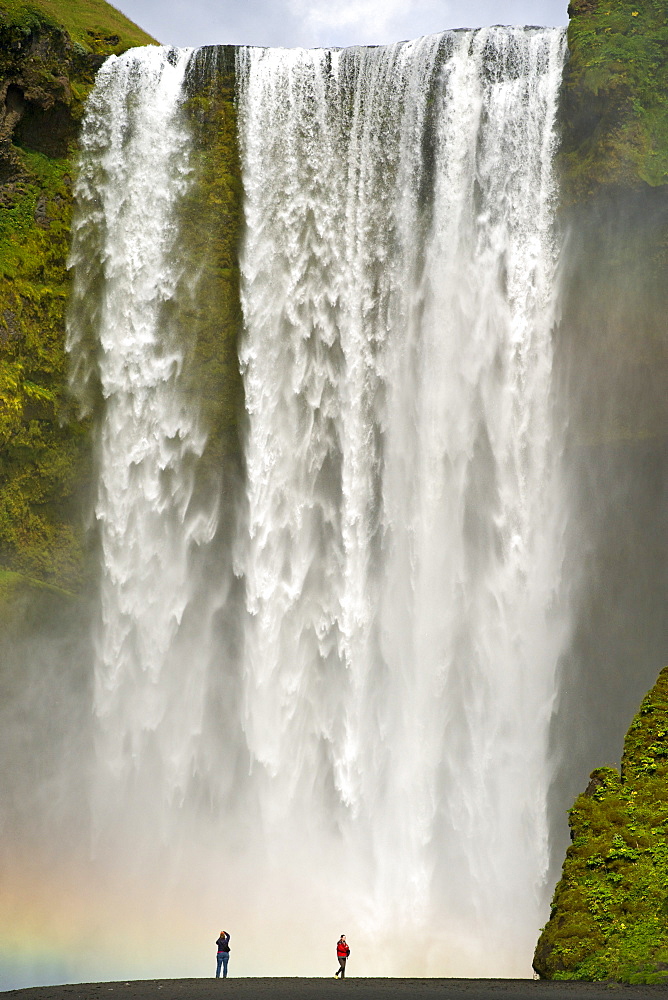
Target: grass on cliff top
x,y
88,22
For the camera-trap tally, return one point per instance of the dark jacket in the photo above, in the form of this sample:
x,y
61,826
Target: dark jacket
x,y
223,942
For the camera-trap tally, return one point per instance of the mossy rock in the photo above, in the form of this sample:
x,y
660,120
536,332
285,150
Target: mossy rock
x,y
614,97
210,231
50,51
609,910
613,166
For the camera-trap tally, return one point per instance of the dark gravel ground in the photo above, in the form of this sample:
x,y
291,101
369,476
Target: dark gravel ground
x,y
327,989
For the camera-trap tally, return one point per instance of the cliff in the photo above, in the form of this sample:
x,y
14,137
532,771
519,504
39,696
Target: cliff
x,y
49,54
611,385
614,106
609,910
608,917
614,173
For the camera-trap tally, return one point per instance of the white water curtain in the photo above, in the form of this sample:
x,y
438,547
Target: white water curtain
x,y
401,556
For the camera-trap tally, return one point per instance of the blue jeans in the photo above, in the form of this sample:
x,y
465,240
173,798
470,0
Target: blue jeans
x,y
223,959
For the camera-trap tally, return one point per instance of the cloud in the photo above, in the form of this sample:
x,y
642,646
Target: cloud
x,y
326,22
373,22
366,21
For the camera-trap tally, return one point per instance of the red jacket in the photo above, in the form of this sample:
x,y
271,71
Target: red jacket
x,y
342,949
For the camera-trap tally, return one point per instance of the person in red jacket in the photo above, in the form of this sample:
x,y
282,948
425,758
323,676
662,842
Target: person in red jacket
x,y
342,952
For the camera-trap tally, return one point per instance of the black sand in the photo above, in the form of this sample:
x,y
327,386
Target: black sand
x,y
328,989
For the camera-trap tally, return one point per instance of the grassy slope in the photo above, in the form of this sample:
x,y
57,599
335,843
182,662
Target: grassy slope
x,y
93,24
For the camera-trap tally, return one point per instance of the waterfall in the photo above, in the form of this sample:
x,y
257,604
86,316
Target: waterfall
x,y
383,763
403,557
134,172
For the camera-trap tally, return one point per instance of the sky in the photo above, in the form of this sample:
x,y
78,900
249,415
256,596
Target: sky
x,y
326,22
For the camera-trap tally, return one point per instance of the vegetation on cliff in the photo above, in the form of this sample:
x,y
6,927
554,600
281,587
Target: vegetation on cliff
x,y
93,25
49,53
610,909
210,226
609,915
615,95
614,197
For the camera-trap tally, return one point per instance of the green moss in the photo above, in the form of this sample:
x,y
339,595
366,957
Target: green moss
x,y
11,583
93,24
44,456
609,909
210,232
615,95
614,205
31,608
49,53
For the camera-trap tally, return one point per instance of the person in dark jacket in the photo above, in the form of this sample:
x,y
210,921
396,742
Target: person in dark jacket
x,y
223,943
342,952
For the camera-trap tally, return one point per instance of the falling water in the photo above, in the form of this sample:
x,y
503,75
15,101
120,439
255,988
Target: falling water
x,y
402,563
400,550
133,174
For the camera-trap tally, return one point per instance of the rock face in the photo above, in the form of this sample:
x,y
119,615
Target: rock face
x,y
210,232
612,370
613,100
614,172
609,909
47,67
48,61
